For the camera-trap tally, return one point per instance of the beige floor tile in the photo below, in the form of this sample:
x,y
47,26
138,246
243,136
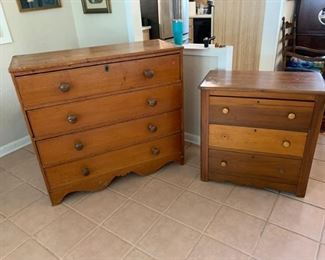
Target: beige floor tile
x,y
75,197
209,248
315,194
100,245
321,138
8,181
187,144
2,218
253,201
10,237
99,205
299,217
321,253
193,210
320,152
279,244
15,158
64,232
29,148
192,156
31,250
18,198
129,184
169,240
29,171
212,190
181,175
39,214
236,228
318,170
136,254
157,194
131,221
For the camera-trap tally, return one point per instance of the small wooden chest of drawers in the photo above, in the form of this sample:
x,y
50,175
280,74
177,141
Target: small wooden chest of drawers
x,y
260,128
97,113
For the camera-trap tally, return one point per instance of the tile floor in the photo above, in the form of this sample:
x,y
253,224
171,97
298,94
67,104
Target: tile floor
x,y
168,215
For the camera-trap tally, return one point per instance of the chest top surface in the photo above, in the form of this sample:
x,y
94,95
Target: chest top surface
x,y
265,81
38,62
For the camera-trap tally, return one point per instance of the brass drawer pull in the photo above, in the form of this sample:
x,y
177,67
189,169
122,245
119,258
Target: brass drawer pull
x,y
78,146
64,87
152,128
148,74
286,144
106,67
72,119
152,102
223,163
225,110
291,116
85,171
155,151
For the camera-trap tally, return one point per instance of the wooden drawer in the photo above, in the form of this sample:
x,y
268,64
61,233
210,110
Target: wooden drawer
x,y
75,146
83,170
274,169
45,88
257,140
264,113
66,118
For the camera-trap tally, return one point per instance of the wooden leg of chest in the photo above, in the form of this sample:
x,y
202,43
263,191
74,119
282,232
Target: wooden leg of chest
x,y
204,134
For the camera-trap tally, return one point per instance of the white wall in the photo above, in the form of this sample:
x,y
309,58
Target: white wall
x,y
31,32
101,29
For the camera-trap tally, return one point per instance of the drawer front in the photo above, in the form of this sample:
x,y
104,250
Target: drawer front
x,y
64,85
263,113
65,118
82,144
257,140
82,170
254,166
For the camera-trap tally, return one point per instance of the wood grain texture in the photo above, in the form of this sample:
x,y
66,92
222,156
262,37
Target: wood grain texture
x,y
67,173
274,169
43,88
104,139
52,121
57,60
240,23
262,113
261,140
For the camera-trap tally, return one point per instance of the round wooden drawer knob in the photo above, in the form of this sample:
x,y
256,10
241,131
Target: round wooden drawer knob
x,y
291,116
85,171
78,146
223,163
155,151
225,110
152,102
64,87
286,144
72,119
152,128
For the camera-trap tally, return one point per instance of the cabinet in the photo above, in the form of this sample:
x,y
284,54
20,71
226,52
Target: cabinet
x,y
260,128
97,113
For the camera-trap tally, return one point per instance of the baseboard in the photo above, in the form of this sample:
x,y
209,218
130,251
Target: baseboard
x,y
14,146
194,139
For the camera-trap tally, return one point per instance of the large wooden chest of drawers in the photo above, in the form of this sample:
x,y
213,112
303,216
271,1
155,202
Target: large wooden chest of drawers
x,y
260,128
97,113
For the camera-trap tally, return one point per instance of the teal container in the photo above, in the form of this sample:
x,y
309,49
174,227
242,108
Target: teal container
x,y
178,31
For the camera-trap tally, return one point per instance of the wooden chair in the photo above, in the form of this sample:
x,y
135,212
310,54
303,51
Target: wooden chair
x,y
291,50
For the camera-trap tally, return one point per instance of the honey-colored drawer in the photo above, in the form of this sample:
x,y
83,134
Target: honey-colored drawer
x,y
257,140
83,170
263,113
45,88
247,165
86,114
82,144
